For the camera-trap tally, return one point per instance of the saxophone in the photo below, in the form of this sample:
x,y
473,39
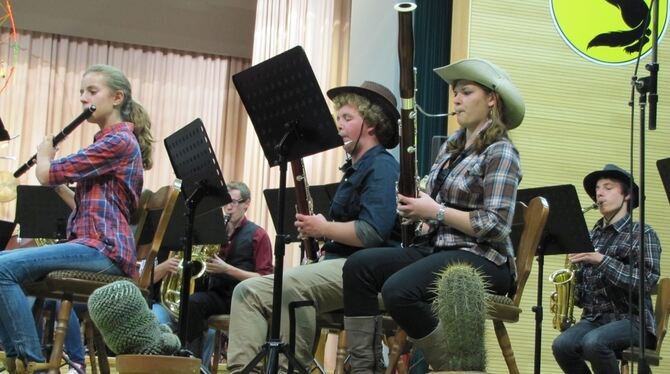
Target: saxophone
x,y
170,289
562,301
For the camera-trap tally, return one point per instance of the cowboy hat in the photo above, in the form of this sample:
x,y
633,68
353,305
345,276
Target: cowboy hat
x,y
379,95
613,172
491,77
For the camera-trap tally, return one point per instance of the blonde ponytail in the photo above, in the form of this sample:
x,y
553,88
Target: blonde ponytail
x,y
140,117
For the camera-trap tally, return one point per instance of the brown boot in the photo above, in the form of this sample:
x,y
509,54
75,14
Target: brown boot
x,y
364,344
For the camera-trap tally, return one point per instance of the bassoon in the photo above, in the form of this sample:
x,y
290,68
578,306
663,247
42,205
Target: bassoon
x,y
58,138
304,205
407,183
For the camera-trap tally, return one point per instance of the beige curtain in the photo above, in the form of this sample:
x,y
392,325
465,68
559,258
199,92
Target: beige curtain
x,y
322,29
175,88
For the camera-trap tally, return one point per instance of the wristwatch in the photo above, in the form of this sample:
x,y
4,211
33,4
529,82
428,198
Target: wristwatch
x,y
440,214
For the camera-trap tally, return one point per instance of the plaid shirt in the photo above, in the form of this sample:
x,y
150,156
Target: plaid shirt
x,y
602,290
109,182
484,184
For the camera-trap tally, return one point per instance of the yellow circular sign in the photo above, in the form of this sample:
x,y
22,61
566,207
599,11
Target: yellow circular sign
x,y
608,31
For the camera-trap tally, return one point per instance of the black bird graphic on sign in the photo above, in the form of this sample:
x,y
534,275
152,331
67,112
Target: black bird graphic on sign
x,y
635,14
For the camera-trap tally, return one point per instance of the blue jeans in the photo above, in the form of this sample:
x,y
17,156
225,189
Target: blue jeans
x,y
18,332
596,342
162,314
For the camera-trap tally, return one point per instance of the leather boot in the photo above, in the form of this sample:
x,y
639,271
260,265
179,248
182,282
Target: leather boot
x,y
364,344
433,347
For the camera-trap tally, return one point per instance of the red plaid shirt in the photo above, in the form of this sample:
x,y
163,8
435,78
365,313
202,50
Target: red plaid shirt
x,y
109,178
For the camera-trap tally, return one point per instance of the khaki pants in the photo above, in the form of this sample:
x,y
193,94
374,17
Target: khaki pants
x,y
252,309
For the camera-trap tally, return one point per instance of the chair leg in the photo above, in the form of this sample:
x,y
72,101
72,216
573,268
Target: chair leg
x,y
624,367
89,330
101,350
341,352
505,346
320,351
62,322
214,364
397,346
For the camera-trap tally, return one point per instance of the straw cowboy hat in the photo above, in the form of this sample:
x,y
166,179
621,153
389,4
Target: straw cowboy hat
x,y
379,95
611,171
491,77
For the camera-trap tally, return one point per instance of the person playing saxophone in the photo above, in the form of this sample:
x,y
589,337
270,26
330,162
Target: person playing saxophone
x,y
605,276
247,254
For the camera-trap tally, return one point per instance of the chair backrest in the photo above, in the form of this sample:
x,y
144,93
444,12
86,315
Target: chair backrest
x,y
139,218
534,219
662,311
164,200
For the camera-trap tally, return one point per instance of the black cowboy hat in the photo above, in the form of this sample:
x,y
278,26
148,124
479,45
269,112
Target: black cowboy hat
x,y
613,172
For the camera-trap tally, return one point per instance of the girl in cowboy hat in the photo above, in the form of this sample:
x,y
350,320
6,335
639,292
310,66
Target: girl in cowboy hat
x,y
604,278
467,215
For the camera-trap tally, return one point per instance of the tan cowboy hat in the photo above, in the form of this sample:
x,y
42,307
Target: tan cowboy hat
x,y
611,171
491,77
379,95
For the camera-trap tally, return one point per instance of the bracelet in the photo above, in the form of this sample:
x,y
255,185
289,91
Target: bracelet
x,y
440,214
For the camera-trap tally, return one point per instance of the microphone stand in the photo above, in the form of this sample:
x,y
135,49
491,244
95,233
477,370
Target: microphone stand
x,y
646,86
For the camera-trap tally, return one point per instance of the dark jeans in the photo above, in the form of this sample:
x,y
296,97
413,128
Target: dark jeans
x,y
596,342
405,277
201,305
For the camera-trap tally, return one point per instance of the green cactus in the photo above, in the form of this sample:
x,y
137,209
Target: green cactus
x,y
461,306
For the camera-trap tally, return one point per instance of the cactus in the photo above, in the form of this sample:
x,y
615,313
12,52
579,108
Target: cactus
x,y
461,306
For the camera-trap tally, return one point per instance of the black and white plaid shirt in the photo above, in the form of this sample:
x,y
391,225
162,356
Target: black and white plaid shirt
x,y
602,290
485,185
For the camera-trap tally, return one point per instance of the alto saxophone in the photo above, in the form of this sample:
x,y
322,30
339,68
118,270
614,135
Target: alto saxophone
x,y
562,301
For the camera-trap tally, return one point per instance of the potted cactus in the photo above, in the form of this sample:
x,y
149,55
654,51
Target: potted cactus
x,y
461,306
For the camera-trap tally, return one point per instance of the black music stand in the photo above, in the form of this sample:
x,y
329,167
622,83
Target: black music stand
x,y
664,170
6,231
292,121
194,162
207,226
322,196
565,232
41,213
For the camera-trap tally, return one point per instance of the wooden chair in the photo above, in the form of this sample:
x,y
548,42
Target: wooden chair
x,y
220,323
661,312
70,286
504,308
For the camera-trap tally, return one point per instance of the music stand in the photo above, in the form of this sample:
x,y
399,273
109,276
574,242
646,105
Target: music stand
x,y
565,232
321,197
6,231
207,227
292,121
41,213
664,170
194,162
